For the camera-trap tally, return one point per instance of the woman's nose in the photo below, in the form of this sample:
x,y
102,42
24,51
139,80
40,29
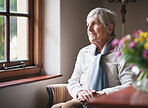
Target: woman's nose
x,y
90,28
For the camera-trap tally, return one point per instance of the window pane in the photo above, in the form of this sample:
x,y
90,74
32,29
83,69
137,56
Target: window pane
x,y
19,6
2,38
18,38
2,5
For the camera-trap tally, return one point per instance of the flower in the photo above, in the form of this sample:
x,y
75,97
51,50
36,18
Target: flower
x,y
128,37
145,54
136,70
131,65
134,48
146,45
115,42
143,34
132,44
137,33
121,43
118,54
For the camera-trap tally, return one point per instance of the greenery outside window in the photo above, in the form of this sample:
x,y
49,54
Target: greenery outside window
x,y
20,38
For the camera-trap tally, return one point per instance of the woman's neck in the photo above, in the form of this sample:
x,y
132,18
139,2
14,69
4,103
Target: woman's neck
x,y
100,46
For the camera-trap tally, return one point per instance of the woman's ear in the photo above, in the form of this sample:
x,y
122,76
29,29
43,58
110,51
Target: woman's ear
x,y
110,28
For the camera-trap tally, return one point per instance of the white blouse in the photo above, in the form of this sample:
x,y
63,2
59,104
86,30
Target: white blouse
x,y
119,75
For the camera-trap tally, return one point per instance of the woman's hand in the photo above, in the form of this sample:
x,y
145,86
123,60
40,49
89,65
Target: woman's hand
x,y
85,95
100,93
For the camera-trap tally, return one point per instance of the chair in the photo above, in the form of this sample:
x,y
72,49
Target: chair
x,y
57,93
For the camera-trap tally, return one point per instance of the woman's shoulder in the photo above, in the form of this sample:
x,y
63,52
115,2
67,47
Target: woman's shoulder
x,y
85,49
88,49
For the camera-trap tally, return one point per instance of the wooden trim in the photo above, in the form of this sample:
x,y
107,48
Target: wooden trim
x,y
8,33
14,14
38,33
28,80
31,30
19,72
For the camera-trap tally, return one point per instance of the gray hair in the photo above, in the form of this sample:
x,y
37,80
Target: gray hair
x,y
106,17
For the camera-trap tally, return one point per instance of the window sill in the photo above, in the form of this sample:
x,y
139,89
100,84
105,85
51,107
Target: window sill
x,y
28,80
5,74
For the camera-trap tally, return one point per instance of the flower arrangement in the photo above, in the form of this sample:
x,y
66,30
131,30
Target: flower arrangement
x,y
134,48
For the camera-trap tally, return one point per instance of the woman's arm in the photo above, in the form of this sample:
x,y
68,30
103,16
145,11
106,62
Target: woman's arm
x,y
74,82
124,76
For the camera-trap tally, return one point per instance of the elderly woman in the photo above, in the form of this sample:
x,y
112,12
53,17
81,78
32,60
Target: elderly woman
x,y
97,70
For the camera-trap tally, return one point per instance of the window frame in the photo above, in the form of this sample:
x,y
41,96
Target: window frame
x,y
33,66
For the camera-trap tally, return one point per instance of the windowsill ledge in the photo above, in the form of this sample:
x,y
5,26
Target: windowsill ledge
x,y
28,80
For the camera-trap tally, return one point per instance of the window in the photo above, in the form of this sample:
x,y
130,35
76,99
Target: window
x,y
20,38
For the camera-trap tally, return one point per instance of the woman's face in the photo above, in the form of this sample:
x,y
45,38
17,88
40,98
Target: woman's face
x,y
97,33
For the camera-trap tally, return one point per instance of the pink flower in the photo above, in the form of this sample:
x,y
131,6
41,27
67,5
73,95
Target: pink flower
x,y
118,54
121,43
132,44
145,54
131,65
137,33
115,42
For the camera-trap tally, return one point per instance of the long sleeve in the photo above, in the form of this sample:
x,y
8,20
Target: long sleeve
x,y
79,78
124,76
74,82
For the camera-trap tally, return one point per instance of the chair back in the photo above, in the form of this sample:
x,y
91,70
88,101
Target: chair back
x,y
57,93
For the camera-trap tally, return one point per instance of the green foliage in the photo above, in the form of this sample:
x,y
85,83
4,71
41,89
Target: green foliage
x,y
13,5
1,4
133,48
2,38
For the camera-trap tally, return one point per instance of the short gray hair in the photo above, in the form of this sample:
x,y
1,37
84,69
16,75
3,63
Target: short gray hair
x,y
106,17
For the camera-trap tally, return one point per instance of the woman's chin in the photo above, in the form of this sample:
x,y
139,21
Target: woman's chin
x,y
92,40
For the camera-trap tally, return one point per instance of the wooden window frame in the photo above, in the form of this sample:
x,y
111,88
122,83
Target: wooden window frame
x,y
36,47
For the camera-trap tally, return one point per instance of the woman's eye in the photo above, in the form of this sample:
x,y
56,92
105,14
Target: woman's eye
x,y
95,23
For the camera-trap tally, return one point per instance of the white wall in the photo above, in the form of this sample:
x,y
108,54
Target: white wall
x,y
64,33
51,38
